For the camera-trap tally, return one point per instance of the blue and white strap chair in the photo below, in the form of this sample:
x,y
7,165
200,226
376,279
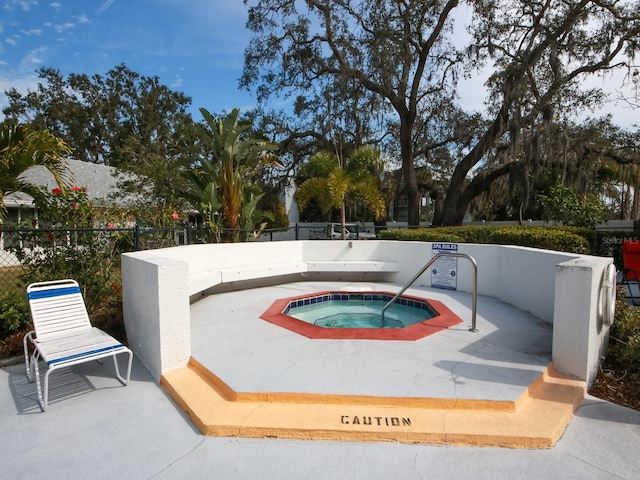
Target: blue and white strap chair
x,y
63,335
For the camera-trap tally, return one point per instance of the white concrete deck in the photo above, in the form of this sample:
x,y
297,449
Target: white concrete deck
x,y
511,349
97,429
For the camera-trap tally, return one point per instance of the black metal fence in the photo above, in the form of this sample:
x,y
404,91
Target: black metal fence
x,y
22,248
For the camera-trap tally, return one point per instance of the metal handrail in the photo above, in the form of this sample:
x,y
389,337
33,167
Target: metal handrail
x,y
424,269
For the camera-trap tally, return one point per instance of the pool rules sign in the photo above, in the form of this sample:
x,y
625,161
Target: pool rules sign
x,y
444,272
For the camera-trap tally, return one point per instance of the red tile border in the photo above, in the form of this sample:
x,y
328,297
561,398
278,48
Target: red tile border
x,y
444,319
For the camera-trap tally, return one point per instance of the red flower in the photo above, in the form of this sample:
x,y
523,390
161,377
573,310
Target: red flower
x,y
74,205
175,216
111,226
78,189
56,191
50,236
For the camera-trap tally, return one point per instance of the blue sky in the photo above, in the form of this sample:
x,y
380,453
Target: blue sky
x,y
193,46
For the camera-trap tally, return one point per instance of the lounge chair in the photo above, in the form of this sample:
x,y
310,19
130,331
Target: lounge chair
x,y
631,271
63,335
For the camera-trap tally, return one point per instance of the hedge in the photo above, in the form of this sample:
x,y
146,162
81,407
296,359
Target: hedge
x,y
550,238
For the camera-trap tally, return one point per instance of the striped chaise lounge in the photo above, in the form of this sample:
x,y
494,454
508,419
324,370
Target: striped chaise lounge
x,y
63,335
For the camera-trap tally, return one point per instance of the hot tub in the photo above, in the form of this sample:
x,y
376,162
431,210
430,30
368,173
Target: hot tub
x,y
358,315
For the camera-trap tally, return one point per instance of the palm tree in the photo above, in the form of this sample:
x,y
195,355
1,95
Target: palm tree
x,y
220,183
22,147
351,178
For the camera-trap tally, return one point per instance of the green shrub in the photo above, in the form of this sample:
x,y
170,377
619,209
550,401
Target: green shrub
x,y
419,235
564,205
550,238
14,315
87,257
624,343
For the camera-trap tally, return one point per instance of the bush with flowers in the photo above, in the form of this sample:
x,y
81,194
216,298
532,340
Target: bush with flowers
x,y
72,237
66,208
71,240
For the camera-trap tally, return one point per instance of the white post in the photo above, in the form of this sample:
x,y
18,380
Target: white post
x,y
579,334
155,301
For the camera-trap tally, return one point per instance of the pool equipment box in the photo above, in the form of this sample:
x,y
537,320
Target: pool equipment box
x,y
444,272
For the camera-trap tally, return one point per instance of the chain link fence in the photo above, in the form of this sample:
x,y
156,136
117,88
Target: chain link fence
x,y
90,256
28,254
22,249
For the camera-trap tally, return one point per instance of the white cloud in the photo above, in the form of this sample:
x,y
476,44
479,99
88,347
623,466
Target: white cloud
x,y
25,5
33,31
11,41
31,58
105,6
55,5
178,82
22,77
81,18
61,27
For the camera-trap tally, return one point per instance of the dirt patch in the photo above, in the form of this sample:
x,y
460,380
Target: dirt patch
x,y
617,387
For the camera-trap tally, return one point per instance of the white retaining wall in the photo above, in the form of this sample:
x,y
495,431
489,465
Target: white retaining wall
x,y
557,287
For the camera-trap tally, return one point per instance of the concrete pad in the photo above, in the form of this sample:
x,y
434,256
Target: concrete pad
x,y
251,378
510,351
136,432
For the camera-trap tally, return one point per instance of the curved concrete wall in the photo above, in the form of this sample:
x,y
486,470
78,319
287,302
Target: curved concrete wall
x,y
557,287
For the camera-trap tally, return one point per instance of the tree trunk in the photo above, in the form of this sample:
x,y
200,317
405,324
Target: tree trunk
x,y
459,196
454,208
409,174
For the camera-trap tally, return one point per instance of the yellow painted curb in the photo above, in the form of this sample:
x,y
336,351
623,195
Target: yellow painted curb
x,y
537,420
324,399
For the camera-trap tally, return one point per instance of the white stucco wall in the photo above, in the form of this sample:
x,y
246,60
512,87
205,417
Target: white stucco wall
x,y
156,302
556,287
579,332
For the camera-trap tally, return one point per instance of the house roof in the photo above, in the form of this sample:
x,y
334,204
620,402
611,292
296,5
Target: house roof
x,y
99,180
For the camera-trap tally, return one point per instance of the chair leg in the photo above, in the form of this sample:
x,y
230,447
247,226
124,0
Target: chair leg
x,y
27,358
42,401
27,364
32,367
129,365
635,300
124,381
46,390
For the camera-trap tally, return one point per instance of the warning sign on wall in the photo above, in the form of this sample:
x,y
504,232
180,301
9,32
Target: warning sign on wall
x,y
444,272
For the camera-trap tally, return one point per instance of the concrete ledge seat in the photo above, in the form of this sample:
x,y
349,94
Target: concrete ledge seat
x,y
201,281
353,266
235,274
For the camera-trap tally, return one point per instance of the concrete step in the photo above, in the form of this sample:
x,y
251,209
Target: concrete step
x,y
536,420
